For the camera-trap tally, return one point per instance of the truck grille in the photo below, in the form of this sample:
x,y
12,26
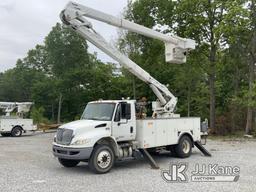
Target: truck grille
x,y
64,136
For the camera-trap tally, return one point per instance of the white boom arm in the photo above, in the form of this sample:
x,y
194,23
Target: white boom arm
x,y
22,107
74,15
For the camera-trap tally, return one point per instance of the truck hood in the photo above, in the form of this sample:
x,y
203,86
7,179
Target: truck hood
x,y
84,125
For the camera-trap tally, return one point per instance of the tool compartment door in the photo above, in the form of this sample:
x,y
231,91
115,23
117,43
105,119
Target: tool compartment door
x,y
146,133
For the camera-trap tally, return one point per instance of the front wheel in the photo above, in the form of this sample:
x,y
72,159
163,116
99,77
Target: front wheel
x,y
16,131
68,163
184,148
102,159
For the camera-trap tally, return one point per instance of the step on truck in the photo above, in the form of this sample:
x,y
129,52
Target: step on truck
x,y
111,130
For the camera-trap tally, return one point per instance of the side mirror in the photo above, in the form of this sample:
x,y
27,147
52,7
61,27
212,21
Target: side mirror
x,y
122,121
204,126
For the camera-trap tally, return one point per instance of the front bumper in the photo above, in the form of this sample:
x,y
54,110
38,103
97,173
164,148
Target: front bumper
x,y
72,153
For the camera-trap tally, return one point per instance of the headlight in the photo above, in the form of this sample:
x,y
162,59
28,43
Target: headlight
x,y
55,138
81,142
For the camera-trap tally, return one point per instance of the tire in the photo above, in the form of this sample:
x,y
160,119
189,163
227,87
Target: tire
x,y
184,147
102,159
6,134
68,163
16,131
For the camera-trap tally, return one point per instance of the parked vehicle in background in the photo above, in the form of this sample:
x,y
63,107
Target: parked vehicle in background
x,y
13,124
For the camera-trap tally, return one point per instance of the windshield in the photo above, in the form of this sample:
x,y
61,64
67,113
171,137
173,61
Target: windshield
x,y
99,111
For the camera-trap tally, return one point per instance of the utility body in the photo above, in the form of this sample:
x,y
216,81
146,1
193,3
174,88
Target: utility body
x,y
15,125
112,130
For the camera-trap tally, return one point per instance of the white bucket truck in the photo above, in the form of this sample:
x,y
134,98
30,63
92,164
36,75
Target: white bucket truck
x,y
15,125
115,129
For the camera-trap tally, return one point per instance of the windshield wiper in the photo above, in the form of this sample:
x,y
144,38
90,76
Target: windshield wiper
x,y
95,119
90,118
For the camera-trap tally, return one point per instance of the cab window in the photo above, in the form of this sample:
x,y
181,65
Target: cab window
x,y
123,111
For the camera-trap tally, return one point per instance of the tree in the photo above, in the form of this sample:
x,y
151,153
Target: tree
x,y
202,20
68,59
252,62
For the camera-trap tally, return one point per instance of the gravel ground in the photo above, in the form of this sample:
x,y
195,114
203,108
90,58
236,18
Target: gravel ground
x,y
27,164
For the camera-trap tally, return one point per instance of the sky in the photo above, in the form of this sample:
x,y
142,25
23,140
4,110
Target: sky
x,y
25,23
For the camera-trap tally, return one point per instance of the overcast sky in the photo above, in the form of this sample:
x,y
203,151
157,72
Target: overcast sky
x,y
25,23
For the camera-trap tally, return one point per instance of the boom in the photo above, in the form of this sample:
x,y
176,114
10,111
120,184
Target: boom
x,y
74,15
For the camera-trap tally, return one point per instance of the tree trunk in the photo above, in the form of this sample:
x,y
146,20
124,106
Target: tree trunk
x,y
189,98
249,122
212,101
53,116
212,59
59,109
234,108
212,74
248,128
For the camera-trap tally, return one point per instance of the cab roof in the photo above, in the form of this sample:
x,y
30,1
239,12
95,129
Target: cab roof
x,y
113,101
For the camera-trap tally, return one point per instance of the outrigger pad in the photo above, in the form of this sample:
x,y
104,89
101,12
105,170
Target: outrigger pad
x,y
149,158
199,145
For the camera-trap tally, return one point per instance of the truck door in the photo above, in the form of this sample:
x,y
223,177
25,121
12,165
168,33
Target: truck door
x,y
123,128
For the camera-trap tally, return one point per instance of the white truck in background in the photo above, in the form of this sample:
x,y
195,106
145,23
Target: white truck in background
x,y
110,130
15,125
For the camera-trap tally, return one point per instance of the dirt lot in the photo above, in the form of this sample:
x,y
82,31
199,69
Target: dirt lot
x,y
27,164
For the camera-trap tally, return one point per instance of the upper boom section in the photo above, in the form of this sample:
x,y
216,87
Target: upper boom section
x,y
75,16
175,47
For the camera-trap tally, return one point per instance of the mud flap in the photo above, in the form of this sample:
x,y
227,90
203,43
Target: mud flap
x,y
199,145
149,158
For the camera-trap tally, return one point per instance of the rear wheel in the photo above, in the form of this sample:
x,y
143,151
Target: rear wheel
x,y
184,147
68,163
102,159
16,131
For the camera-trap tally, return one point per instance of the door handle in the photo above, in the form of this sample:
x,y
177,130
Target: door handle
x,y
131,129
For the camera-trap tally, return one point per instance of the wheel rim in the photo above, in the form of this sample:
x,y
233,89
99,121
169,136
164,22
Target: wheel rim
x,y
186,146
104,159
16,132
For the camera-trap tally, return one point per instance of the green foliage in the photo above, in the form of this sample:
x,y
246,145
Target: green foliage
x,y
221,30
37,114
